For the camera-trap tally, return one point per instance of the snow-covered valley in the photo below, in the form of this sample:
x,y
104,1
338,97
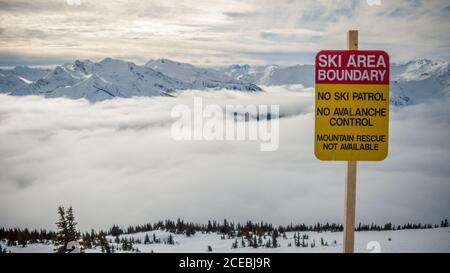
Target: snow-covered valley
x,y
412,241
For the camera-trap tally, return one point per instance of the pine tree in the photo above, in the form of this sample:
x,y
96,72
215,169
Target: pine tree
x,y
72,232
146,240
66,229
255,243
304,244
235,244
274,238
209,228
105,247
127,245
260,240
268,243
60,241
170,240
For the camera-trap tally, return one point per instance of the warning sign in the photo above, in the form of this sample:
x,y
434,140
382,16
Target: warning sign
x,y
352,105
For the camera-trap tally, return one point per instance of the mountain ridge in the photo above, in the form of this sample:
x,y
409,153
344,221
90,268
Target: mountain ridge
x,y
411,82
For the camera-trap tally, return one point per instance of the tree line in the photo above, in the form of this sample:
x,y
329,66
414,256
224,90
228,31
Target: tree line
x,y
252,232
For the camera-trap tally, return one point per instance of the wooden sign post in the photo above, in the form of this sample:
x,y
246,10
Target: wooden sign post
x,y
351,114
350,178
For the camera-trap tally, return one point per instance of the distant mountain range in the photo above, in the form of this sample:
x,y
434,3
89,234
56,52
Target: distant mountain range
x,y
411,83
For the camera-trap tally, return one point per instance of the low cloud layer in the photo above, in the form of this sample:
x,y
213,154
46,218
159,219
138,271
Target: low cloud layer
x,y
115,162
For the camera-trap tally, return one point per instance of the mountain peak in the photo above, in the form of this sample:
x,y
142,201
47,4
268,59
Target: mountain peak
x,y
109,60
239,66
166,62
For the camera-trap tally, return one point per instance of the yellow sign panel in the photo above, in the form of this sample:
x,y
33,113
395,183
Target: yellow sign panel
x,y
352,122
351,118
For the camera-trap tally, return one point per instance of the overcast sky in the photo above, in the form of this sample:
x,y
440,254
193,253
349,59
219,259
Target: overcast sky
x,y
205,32
115,162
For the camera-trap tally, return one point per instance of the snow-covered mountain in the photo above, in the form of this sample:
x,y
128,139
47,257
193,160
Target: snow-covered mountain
x,y
272,74
413,82
115,78
419,81
200,78
27,74
9,83
103,80
19,77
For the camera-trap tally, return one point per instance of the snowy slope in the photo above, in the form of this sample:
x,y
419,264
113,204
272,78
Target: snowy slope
x,y
19,77
200,78
248,73
9,83
106,79
419,240
421,80
26,73
111,78
273,74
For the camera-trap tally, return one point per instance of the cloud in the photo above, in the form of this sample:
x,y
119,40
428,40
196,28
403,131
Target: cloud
x,y
115,162
220,32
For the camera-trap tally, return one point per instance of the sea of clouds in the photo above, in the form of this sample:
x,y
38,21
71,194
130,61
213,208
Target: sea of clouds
x,y
115,162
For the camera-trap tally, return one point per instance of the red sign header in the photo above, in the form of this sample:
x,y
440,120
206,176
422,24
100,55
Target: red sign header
x,y
352,67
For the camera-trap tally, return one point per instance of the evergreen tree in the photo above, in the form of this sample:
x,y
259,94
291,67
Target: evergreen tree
x,y
235,244
72,233
170,240
104,244
66,229
60,241
209,228
274,238
127,245
147,240
304,244
255,243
